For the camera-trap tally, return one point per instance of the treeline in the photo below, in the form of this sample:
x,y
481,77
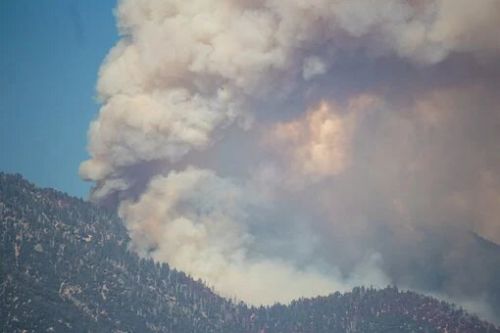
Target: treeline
x,y
65,267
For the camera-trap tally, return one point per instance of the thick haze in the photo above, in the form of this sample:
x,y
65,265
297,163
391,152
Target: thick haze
x,y
278,149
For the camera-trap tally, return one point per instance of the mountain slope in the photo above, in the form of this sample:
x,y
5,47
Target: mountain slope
x,y
64,266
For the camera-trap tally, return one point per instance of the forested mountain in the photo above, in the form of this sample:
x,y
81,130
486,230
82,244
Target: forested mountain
x,y
65,267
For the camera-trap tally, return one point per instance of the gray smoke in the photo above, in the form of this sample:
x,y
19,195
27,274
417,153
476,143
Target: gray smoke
x,y
279,149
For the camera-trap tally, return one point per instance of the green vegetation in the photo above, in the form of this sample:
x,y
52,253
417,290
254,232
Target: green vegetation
x,y
65,267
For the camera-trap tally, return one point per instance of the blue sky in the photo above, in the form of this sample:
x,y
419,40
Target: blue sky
x,y
50,53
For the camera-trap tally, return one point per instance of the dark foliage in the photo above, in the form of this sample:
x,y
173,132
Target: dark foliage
x,y
65,267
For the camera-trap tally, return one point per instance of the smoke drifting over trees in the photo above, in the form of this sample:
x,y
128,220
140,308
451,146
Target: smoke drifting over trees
x,y
332,143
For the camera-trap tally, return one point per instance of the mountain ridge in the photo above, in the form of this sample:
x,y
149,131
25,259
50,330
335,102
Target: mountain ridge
x,y
65,266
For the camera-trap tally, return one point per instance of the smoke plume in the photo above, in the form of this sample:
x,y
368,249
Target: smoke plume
x,y
278,149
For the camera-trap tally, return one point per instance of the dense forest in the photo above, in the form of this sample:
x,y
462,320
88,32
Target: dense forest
x,y
65,267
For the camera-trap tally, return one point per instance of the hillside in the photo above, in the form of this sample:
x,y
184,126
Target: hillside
x,y
65,267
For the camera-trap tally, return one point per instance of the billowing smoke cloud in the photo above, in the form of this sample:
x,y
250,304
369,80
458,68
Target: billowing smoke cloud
x,y
194,220
279,149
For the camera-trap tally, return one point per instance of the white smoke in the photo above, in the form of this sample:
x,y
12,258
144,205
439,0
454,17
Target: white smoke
x,y
186,73
182,69
195,221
